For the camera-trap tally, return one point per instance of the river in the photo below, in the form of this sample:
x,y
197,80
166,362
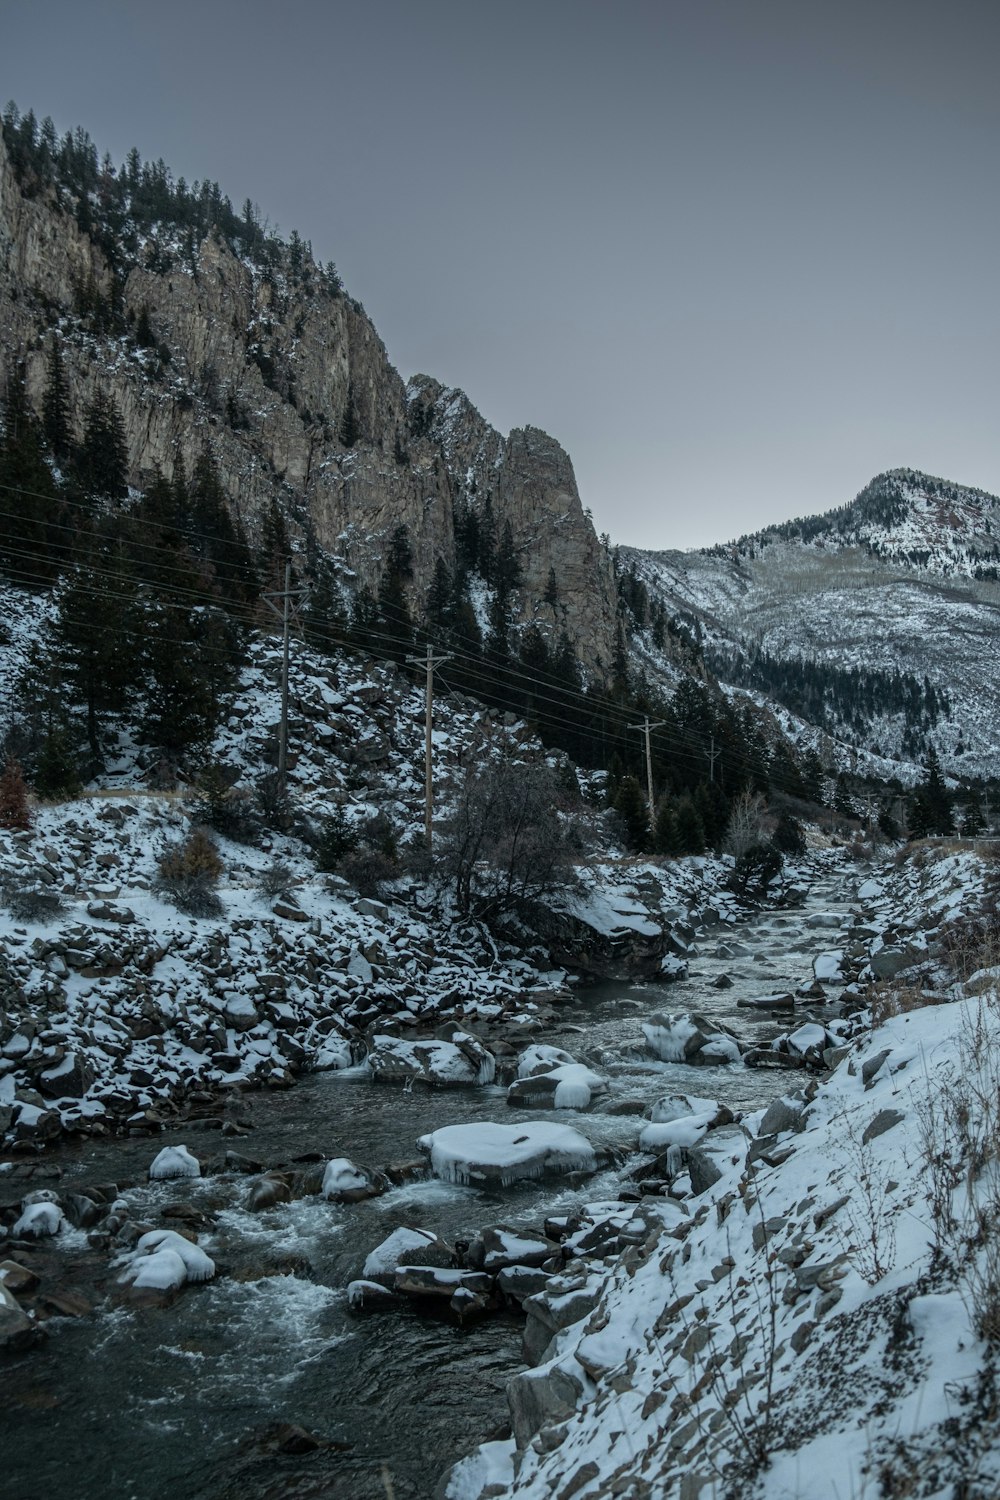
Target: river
x,y
139,1404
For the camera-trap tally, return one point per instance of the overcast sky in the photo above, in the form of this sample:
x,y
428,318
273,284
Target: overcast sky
x,y
736,255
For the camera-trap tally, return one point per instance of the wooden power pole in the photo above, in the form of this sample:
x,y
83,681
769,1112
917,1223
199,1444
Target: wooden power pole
x,y
429,662
647,728
284,614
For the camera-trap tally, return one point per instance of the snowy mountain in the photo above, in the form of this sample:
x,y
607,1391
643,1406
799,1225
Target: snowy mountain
x,y
878,623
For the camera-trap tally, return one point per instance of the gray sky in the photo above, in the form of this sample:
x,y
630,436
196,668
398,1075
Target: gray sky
x,y
736,255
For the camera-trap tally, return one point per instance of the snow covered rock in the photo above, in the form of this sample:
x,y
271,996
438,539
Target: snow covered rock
x,y
485,1152
173,1161
690,1038
828,967
455,1064
164,1260
569,1086
343,1182
405,1247
538,1059
17,1330
38,1220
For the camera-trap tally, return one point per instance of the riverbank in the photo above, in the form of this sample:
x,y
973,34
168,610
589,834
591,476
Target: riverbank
x,y
823,1324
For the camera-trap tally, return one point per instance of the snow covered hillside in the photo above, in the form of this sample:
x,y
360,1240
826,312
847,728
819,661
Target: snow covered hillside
x,y
903,582
820,1321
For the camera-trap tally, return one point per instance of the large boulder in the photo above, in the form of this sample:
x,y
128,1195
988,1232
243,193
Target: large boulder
x,y
690,1038
485,1152
440,1064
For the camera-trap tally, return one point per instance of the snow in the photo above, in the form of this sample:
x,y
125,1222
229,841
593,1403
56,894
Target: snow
x,y
384,1259
39,1220
539,1058
828,967
174,1161
342,1176
487,1152
684,1132
164,1260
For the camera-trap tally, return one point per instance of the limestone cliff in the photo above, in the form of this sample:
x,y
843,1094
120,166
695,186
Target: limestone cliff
x,y
274,371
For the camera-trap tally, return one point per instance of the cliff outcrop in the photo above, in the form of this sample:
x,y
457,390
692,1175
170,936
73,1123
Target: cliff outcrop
x,y
285,378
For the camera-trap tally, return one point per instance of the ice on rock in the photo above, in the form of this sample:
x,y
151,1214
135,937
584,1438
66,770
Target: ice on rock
x,y
163,1271
539,1059
39,1220
570,1086
164,1260
198,1266
687,1131
689,1039
173,1161
488,1152
402,1244
343,1179
442,1064
678,1106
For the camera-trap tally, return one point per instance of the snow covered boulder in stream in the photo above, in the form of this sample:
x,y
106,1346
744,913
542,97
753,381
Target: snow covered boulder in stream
x,y
405,1247
453,1064
164,1260
39,1219
173,1161
690,1038
343,1182
539,1058
569,1086
485,1152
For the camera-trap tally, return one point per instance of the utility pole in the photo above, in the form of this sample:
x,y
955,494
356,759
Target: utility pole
x,y
713,756
284,614
429,662
647,728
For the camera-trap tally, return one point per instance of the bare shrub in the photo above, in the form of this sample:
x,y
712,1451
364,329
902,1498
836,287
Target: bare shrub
x,y
275,878
749,826
368,870
192,894
960,1142
508,844
30,903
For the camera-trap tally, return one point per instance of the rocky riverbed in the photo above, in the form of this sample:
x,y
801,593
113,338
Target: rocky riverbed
x,y
305,1353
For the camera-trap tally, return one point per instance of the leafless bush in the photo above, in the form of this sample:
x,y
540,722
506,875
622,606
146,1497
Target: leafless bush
x,y
369,870
960,1141
30,903
870,1211
192,894
275,878
507,843
749,826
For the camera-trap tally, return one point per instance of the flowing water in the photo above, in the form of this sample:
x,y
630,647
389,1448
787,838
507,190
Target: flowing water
x,y
138,1404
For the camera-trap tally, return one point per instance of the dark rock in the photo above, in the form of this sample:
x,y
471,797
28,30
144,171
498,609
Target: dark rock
x,y
883,1121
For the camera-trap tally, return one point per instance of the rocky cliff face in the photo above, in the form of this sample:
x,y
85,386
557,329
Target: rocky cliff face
x,y
271,370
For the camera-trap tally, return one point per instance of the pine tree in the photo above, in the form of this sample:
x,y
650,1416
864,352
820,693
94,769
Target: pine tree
x,y
102,460
937,796
14,812
30,548
217,538
349,432
437,607
630,805
690,830
552,590
93,635
55,407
